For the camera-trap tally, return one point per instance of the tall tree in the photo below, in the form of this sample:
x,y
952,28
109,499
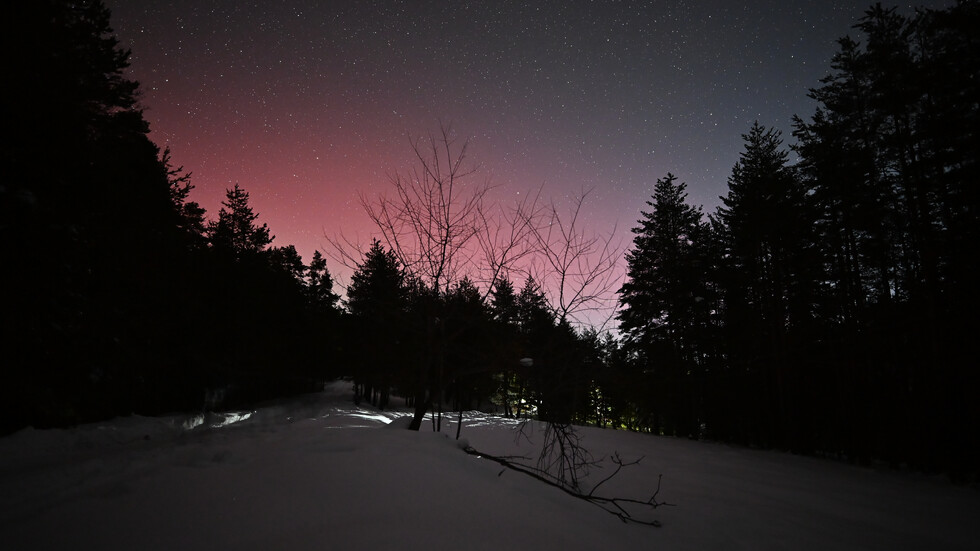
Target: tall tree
x,y
890,158
507,354
441,230
665,271
94,243
767,282
664,301
378,301
471,350
765,220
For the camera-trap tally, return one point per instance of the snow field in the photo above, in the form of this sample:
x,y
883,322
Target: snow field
x,y
320,473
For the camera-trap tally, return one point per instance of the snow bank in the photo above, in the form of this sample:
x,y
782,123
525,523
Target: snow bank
x,y
316,473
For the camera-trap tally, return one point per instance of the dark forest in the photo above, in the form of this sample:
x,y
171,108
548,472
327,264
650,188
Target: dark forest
x,y
828,307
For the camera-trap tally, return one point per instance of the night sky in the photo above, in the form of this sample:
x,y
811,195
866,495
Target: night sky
x,y
306,103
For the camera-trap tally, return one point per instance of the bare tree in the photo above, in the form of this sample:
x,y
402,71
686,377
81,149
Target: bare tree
x,y
576,267
579,272
441,225
432,218
438,222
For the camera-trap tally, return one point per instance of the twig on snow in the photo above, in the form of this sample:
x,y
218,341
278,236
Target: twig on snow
x,y
616,506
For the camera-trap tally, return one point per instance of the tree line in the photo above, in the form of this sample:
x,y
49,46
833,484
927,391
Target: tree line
x,y
120,296
828,306
468,349
125,297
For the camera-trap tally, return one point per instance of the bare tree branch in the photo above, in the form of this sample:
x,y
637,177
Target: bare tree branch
x,y
344,251
434,215
578,269
627,510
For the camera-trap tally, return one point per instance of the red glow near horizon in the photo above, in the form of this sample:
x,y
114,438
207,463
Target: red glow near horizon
x,y
308,106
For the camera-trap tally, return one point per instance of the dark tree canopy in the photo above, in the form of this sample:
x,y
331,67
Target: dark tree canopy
x,y
85,205
320,285
114,304
665,270
504,301
837,297
378,299
828,306
236,230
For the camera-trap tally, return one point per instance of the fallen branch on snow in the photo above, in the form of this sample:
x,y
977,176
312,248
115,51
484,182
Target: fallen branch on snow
x,y
616,506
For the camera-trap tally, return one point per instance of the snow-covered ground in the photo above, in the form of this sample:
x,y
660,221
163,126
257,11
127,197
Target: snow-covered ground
x,y
320,473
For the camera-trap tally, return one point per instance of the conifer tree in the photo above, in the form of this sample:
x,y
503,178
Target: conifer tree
x,y
532,308
665,302
765,220
190,214
378,301
92,244
236,230
890,158
319,285
666,273
767,278
504,301
287,260
507,353
469,345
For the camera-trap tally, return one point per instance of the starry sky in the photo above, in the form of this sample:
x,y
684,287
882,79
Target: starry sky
x,y
306,103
